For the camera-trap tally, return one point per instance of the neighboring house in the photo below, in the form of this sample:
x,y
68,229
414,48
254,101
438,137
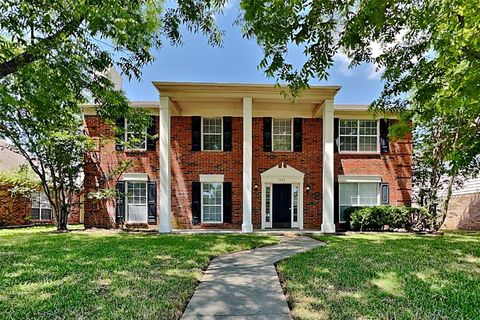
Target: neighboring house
x,y
17,209
241,156
464,207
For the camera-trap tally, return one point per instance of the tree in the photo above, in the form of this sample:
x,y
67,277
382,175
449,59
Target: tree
x,y
428,50
53,57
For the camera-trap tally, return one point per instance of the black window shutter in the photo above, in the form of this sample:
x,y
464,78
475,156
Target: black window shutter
x,y
196,203
297,134
385,193
336,136
267,134
120,203
152,202
119,134
151,131
227,133
336,199
196,133
227,202
384,143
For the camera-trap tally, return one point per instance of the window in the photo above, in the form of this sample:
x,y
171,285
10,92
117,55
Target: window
x,y
358,135
282,134
295,203
41,209
357,194
268,196
135,140
212,202
137,202
212,134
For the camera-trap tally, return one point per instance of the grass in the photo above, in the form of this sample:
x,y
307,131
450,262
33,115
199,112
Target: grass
x,y
105,274
386,276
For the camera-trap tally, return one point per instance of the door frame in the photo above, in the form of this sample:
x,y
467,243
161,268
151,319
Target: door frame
x,y
282,174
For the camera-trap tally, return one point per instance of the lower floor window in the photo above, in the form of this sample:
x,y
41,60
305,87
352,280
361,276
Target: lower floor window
x,y
357,194
41,209
136,201
212,202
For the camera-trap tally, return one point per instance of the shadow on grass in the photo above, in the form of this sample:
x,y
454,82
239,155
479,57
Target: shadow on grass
x,y
105,275
386,276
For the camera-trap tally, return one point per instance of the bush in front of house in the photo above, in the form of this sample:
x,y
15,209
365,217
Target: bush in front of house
x,y
380,218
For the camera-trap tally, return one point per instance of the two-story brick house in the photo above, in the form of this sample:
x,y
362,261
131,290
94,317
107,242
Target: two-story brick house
x,y
241,156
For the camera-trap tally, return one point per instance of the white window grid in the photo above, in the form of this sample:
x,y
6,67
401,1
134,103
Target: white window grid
x,y
359,136
141,144
295,202
356,199
40,202
212,133
282,134
268,202
212,202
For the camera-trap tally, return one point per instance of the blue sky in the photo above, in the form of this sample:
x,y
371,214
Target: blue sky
x,y
237,61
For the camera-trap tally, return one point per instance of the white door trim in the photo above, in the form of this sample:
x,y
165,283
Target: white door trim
x,y
282,174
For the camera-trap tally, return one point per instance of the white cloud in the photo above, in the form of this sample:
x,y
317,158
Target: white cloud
x,y
344,62
373,72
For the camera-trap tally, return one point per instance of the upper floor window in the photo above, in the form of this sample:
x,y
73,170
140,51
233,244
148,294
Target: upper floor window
x,y
135,140
282,134
41,209
358,135
212,134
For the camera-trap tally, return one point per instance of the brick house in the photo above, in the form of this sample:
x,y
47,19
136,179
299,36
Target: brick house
x,y
241,156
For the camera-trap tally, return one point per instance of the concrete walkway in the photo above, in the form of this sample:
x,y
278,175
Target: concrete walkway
x,y
245,285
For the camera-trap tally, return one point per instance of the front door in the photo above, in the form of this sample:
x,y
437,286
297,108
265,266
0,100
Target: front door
x,y
282,199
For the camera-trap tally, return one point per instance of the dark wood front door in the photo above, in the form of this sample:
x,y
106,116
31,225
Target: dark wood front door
x,y
282,198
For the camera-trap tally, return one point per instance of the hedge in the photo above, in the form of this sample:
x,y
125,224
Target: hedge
x,y
378,218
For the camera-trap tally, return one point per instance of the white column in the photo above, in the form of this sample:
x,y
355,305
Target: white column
x,y
247,165
165,225
328,225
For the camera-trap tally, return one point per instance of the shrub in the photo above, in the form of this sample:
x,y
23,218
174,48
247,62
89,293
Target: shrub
x,y
377,218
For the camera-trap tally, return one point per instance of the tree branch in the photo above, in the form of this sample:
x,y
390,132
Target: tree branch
x,y
37,51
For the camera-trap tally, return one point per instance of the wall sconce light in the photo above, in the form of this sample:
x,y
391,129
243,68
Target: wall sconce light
x,y
255,187
307,188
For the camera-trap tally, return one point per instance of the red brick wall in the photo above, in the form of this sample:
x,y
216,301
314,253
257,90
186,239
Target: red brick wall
x,y
309,161
188,165
394,167
13,208
99,163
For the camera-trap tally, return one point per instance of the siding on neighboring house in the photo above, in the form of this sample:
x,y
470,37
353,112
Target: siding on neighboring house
x,y
464,207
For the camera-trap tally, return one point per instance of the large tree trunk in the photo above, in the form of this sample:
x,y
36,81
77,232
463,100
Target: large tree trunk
x,y
63,218
446,202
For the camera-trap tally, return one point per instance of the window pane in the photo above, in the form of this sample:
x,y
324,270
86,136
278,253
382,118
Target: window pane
x,y
212,202
368,143
348,143
35,213
267,203
212,125
46,214
348,127
367,127
282,142
348,194
342,213
282,134
212,142
295,203
135,140
368,194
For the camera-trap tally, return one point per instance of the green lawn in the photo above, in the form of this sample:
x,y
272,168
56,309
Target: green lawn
x,y
386,276
105,274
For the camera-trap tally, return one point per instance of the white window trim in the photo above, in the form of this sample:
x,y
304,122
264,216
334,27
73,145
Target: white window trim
x,y
291,134
126,137
38,196
127,218
221,134
221,203
379,199
358,137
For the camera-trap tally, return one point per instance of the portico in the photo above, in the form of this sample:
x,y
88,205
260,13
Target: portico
x,y
249,102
